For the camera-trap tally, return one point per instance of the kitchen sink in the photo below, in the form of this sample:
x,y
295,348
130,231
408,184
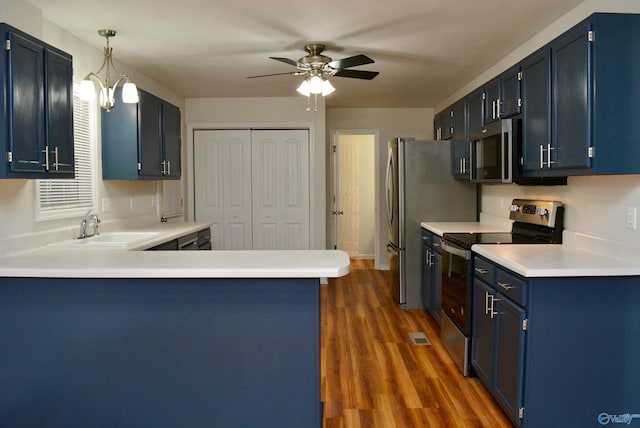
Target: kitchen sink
x,y
113,239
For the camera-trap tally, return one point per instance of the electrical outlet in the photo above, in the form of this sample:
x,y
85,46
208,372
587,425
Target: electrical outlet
x,y
106,205
632,215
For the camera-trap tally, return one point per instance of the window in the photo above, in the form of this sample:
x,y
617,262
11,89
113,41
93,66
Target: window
x,y
63,198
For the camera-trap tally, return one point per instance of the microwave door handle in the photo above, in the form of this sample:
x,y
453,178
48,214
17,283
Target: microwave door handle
x,y
506,157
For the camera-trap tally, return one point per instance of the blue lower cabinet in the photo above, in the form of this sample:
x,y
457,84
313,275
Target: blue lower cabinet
x,y
432,274
497,348
173,352
558,352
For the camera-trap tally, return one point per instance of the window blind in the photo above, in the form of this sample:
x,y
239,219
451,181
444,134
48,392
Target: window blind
x,y
171,198
60,198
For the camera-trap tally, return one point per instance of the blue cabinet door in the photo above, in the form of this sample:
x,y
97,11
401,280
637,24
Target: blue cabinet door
x,y
570,60
483,333
536,95
459,141
25,98
171,141
150,131
509,357
492,101
510,101
475,109
59,112
427,286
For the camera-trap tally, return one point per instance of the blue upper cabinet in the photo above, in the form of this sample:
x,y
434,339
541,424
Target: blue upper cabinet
x,y
536,95
594,84
36,127
141,141
172,141
502,96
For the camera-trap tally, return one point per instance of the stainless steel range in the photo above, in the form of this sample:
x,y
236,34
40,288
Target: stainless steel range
x,y
535,222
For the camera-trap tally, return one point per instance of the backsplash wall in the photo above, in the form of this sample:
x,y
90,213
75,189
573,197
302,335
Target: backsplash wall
x,y
595,205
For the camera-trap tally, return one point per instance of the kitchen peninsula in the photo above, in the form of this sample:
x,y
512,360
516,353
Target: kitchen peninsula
x,y
162,338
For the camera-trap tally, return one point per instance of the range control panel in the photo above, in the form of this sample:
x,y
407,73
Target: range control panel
x,y
543,213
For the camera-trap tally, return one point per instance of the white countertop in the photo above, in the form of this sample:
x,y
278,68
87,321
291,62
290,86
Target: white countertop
x,y
98,263
442,227
88,261
555,260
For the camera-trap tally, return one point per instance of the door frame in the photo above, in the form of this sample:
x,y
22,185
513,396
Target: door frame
x,y
333,135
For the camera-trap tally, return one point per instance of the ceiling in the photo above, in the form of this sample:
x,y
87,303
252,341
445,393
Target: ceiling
x,y
424,49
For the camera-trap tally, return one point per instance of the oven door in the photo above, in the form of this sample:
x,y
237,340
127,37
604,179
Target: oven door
x,y
456,270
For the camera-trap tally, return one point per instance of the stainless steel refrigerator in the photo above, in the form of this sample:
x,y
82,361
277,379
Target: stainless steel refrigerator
x,y
420,187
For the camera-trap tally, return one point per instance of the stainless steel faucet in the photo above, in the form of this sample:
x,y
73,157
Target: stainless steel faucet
x,y
89,220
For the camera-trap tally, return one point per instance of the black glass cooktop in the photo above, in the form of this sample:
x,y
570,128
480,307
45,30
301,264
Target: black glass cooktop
x,y
466,240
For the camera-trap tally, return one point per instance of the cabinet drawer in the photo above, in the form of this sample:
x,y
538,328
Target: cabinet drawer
x,y
436,243
484,270
514,287
427,237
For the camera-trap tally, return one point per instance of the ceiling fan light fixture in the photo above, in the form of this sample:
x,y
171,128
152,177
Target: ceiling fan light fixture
x,y
304,88
315,85
327,88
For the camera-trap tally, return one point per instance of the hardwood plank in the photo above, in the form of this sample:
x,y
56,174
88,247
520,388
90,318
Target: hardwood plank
x,y
372,375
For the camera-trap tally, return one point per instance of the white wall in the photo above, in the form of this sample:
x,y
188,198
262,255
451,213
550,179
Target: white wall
x,y
17,196
286,112
390,122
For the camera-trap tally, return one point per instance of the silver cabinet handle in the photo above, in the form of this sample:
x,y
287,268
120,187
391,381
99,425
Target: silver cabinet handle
x,y
486,302
541,156
168,167
498,108
55,155
46,158
481,271
493,312
506,287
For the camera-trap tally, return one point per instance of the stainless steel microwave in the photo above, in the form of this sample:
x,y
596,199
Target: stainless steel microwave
x,y
491,154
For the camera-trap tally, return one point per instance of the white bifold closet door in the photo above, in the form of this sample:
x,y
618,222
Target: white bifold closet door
x,y
253,185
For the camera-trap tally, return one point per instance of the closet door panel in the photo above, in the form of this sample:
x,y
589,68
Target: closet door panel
x,y
222,182
280,189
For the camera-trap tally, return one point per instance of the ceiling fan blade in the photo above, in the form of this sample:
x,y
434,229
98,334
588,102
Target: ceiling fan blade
x,y
285,60
351,61
357,74
294,73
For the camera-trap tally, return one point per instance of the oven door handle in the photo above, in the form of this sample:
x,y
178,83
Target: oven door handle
x,y
457,251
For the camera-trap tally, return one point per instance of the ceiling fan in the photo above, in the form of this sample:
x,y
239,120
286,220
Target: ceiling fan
x,y
316,64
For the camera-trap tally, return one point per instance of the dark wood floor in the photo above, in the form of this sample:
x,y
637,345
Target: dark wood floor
x,y
374,376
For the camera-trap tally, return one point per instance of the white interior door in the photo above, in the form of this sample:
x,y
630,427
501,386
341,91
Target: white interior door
x,y
280,160
222,185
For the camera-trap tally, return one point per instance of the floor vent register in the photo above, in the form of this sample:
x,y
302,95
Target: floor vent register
x,y
419,338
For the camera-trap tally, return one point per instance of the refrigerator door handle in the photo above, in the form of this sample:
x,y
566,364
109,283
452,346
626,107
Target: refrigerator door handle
x,y
390,185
